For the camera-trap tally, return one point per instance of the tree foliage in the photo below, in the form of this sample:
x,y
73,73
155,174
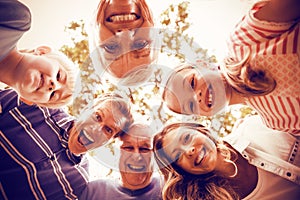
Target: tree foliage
x,y
174,43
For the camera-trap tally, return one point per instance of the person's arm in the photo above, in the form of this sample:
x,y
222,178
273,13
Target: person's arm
x,y
279,11
15,15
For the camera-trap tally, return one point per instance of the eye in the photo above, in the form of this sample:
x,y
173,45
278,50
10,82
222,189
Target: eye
x,y
186,138
127,148
192,82
139,44
112,48
191,106
144,150
108,130
52,95
58,75
98,117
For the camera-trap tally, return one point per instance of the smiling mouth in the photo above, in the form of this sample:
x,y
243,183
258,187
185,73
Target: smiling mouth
x,y
123,18
84,138
136,168
209,96
200,157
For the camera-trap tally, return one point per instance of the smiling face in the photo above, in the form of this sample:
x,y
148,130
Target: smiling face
x,y
98,125
118,15
195,91
193,151
128,52
135,162
43,80
122,39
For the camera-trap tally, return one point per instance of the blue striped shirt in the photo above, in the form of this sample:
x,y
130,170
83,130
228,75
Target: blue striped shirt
x,y
35,160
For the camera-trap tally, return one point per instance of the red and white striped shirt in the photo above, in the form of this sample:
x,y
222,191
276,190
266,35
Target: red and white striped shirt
x,y
275,47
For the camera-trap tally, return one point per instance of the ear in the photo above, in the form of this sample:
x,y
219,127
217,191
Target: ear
x,y
42,50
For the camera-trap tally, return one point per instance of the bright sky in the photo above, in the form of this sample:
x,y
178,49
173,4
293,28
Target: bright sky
x,y
211,20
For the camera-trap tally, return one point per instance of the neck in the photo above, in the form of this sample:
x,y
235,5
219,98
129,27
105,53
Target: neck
x,y
9,67
234,97
225,168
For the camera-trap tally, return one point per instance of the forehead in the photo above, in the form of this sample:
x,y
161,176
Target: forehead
x,y
138,134
172,101
171,140
178,79
177,91
112,113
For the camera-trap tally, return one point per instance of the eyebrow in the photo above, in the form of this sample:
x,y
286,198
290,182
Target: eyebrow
x,y
145,144
64,80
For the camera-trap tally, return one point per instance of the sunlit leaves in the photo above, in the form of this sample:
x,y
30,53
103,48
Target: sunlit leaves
x,y
147,102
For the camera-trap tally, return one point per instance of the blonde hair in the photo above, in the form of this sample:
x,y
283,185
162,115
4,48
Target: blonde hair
x,y
247,80
71,70
182,185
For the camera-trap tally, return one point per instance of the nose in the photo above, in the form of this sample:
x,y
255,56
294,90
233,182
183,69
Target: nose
x,y
137,156
53,85
199,95
190,151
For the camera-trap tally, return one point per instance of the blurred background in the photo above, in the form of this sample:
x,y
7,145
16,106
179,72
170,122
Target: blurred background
x,y
206,23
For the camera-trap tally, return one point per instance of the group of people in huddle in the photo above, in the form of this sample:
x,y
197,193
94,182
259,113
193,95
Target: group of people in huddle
x,y
43,148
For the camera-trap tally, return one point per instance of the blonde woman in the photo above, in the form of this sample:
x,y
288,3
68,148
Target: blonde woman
x,y
262,70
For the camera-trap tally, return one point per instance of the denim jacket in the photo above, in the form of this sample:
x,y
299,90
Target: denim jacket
x,y
268,149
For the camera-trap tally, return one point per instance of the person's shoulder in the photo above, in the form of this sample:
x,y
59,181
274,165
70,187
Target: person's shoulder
x,y
8,99
15,14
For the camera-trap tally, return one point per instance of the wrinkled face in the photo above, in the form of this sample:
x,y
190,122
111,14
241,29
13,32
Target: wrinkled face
x,y
196,91
193,151
128,52
136,158
44,81
96,127
125,36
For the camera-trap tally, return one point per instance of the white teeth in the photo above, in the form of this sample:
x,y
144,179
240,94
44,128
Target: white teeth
x,y
88,137
123,18
210,97
137,168
200,157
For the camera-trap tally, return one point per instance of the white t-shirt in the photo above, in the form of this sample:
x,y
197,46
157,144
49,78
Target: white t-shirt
x,y
273,187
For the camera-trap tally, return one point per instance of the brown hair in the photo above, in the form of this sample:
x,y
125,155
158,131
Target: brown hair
x,y
180,184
